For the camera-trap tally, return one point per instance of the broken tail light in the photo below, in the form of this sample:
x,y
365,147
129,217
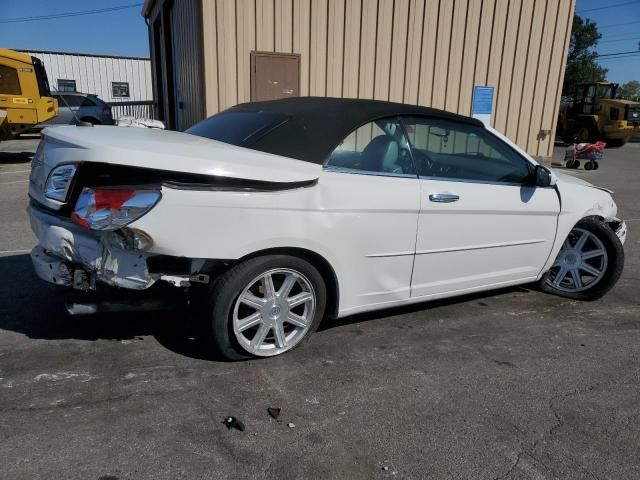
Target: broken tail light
x,y
112,208
59,181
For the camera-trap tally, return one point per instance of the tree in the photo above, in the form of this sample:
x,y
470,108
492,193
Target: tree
x,y
630,90
582,65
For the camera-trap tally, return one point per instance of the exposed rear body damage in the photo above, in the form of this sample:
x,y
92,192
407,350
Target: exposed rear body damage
x,y
111,256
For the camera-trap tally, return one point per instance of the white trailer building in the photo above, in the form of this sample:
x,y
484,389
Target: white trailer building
x,y
113,79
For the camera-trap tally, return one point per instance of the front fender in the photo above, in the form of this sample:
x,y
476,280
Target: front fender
x,y
579,200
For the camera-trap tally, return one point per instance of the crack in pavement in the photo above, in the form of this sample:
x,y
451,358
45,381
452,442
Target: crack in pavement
x,y
551,405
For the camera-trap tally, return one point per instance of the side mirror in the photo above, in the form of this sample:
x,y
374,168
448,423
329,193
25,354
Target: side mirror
x,y
543,177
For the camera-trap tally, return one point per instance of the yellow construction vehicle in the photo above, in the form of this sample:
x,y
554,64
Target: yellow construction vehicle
x,y
592,112
25,98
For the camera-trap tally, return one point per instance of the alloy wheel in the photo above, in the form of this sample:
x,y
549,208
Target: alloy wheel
x,y
274,312
580,264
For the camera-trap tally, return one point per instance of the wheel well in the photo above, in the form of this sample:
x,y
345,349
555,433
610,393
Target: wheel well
x,y
324,267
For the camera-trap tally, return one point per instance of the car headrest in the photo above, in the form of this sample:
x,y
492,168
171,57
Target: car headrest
x,y
381,151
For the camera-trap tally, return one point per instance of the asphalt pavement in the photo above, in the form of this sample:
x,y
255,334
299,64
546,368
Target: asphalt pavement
x,y
504,385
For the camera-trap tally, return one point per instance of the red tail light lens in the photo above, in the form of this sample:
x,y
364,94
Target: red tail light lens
x,y
112,208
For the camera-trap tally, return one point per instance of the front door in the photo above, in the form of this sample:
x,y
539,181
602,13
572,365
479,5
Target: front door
x,y
482,224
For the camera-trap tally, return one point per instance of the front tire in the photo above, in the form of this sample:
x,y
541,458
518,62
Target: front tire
x,y
588,265
265,306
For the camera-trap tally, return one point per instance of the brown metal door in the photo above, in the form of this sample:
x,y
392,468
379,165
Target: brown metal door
x,y
274,75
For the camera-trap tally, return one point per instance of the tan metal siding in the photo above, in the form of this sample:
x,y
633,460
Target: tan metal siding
x,y
503,87
454,69
414,50
227,56
302,40
519,64
442,44
335,47
557,65
428,55
283,26
467,77
211,66
430,52
397,72
531,67
265,24
318,50
541,79
351,61
368,34
246,42
383,50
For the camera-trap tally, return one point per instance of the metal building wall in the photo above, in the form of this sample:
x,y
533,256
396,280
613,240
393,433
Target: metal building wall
x,y
176,49
94,73
187,57
427,52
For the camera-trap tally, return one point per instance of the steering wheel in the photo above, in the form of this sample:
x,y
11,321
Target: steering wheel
x,y
424,161
404,162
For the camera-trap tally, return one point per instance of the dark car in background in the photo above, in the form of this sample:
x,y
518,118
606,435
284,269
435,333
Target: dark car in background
x,y
86,107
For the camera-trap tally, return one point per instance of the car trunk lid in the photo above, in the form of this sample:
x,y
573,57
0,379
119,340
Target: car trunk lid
x,y
162,151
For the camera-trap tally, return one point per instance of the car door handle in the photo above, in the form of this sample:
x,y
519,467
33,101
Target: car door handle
x,y
443,197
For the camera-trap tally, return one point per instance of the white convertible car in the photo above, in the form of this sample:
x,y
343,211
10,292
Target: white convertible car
x,y
280,213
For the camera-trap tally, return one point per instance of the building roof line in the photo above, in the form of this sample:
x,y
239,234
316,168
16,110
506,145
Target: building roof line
x,y
80,54
146,8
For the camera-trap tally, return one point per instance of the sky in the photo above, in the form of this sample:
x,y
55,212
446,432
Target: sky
x,y
124,32
616,37
120,32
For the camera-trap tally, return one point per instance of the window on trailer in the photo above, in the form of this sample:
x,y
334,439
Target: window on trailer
x,y
120,89
66,85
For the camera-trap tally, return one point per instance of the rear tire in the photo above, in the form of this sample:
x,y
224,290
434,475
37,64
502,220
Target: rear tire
x,y
588,265
295,293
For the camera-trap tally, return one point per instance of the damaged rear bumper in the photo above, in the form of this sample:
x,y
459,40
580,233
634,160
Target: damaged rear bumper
x,y
70,255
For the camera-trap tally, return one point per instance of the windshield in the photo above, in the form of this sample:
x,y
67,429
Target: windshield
x,y
236,127
605,91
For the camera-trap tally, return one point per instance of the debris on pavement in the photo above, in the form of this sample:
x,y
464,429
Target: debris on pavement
x,y
291,425
233,422
274,412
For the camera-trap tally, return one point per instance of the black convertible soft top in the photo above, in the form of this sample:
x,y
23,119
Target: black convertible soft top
x,y
309,128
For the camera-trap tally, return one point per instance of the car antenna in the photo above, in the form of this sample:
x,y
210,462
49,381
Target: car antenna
x,y
79,123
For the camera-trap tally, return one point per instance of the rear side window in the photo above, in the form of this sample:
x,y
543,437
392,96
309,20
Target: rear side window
x,y
9,82
377,147
237,128
72,100
87,102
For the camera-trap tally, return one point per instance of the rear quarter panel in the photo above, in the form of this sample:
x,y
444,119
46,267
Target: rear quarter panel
x,y
344,218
